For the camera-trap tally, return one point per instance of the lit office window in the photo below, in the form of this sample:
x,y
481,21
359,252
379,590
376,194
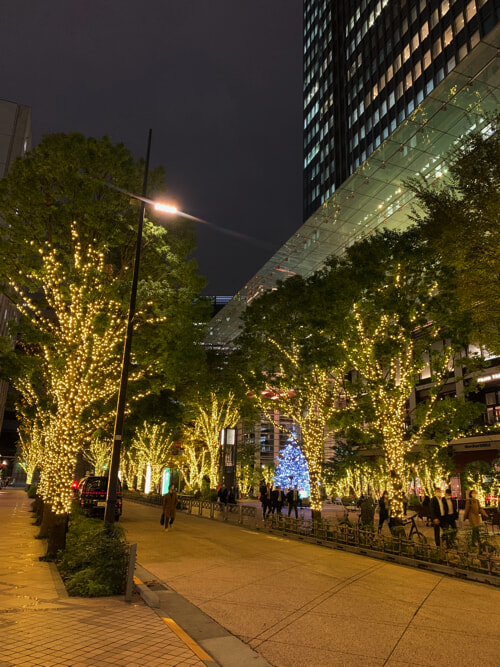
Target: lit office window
x,y
415,42
434,18
427,59
417,70
409,81
470,10
445,7
406,53
436,48
459,23
448,36
424,31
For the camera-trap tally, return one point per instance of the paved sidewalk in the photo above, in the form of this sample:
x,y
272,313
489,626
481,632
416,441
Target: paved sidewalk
x,y
41,626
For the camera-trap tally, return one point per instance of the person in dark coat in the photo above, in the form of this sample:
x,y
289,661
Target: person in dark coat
x,y
231,496
383,510
277,498
222,494
425,511
438,514
169,505
293,497
451,510
367,515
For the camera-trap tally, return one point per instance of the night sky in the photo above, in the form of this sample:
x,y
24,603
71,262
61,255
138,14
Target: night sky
x,y
218,81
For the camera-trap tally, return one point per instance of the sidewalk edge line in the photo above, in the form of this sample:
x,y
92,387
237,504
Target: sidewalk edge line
x,y
189,641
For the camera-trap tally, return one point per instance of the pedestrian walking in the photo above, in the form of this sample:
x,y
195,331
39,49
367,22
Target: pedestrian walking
x,y
277,498
231,496
474,512
169,506
293,497
451,510
438,514
383,510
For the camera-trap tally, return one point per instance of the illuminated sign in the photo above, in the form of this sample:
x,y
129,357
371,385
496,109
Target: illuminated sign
x,y
489,378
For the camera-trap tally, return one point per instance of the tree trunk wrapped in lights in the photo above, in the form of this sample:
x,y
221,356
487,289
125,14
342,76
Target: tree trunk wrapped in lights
x,y
81,330
153,446
194,461
31,449
211,419
98,453
307,395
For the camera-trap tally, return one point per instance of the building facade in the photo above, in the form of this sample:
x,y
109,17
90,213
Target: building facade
x,y
15,142
389,89
368,64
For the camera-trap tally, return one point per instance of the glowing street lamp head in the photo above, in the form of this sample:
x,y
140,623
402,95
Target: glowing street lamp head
x,y
165,208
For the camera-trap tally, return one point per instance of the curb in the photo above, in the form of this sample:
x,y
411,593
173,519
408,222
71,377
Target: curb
x,y
212,643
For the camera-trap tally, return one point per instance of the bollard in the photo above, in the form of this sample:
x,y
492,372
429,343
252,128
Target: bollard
x,y
130,572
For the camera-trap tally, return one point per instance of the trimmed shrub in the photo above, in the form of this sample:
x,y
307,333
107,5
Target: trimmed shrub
x,y
94,562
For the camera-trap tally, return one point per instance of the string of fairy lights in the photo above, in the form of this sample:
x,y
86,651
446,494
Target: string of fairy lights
x,y
81,362
221,413
307,396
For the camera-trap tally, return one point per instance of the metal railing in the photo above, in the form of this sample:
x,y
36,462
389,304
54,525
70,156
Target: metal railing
x,y
483,559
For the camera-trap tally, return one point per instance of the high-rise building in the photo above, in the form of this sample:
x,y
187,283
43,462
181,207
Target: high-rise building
x,y
390,87
368,64
15,141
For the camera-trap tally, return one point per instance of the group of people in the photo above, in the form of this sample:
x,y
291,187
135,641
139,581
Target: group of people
x,y
274,498
441,513
227,496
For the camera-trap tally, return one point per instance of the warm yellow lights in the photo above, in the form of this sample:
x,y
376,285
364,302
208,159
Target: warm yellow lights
x,y
165,208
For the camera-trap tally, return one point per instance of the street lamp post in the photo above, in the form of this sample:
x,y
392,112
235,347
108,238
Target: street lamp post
x,y
109,513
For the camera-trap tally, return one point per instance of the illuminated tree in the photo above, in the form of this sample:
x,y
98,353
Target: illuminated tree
x,y
194,461
31,448
396,332
460,219
218,414
67,249
354,474
98,453
153,446
478,477
78,354
432,466
291,468
293,366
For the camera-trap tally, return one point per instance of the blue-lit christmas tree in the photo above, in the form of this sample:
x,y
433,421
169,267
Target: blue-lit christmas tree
x,y
291,468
